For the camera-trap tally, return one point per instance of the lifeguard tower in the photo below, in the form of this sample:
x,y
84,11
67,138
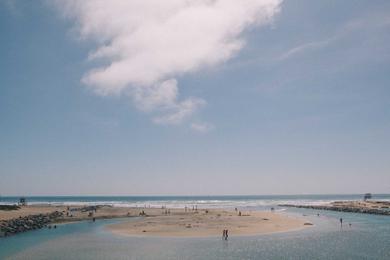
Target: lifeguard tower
x,y
22,201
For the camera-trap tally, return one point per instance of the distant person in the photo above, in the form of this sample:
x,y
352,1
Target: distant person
x,y
223,234
226,234
341,222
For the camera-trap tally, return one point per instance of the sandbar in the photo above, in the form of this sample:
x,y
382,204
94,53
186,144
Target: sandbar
x,y
206,223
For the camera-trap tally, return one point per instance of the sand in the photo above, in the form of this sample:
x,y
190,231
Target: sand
x,y
179,223
202,224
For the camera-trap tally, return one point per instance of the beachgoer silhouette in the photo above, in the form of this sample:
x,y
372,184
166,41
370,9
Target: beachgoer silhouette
x,y
223,234
226,234
341,222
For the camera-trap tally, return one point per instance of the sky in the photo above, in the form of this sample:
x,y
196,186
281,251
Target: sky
x,y
204,97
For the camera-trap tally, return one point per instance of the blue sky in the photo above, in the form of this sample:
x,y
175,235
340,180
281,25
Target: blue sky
x,y
294,100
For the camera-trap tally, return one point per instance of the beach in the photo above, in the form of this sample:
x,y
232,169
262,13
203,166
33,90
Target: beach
x,y
162,221
172,232
159,220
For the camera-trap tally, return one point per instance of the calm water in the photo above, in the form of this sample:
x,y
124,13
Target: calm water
x,y
367,238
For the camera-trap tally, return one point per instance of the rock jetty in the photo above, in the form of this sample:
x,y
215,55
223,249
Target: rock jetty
x,y
344,207
31,222
9,207
88,208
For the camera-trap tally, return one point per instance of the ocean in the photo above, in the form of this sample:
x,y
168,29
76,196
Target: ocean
x,y
257,201
368,237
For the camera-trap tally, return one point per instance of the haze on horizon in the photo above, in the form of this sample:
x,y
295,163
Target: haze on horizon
x,y
194,97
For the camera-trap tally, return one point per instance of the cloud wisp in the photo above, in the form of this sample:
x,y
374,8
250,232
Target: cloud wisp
x,y
372,26
144,46
202,127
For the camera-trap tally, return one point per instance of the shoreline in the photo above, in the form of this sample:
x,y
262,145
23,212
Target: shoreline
x,y
18,219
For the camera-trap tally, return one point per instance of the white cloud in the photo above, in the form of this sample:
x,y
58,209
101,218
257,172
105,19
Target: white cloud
x,y
145,45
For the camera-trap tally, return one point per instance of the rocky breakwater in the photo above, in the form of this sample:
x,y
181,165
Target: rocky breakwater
x,y
31,222
354,207
9,207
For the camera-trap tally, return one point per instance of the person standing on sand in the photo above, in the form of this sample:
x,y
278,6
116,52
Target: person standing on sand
x,y
226,234
341,222
223,234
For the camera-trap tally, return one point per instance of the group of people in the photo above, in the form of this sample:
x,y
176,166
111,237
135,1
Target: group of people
x,y
194,208
225,234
